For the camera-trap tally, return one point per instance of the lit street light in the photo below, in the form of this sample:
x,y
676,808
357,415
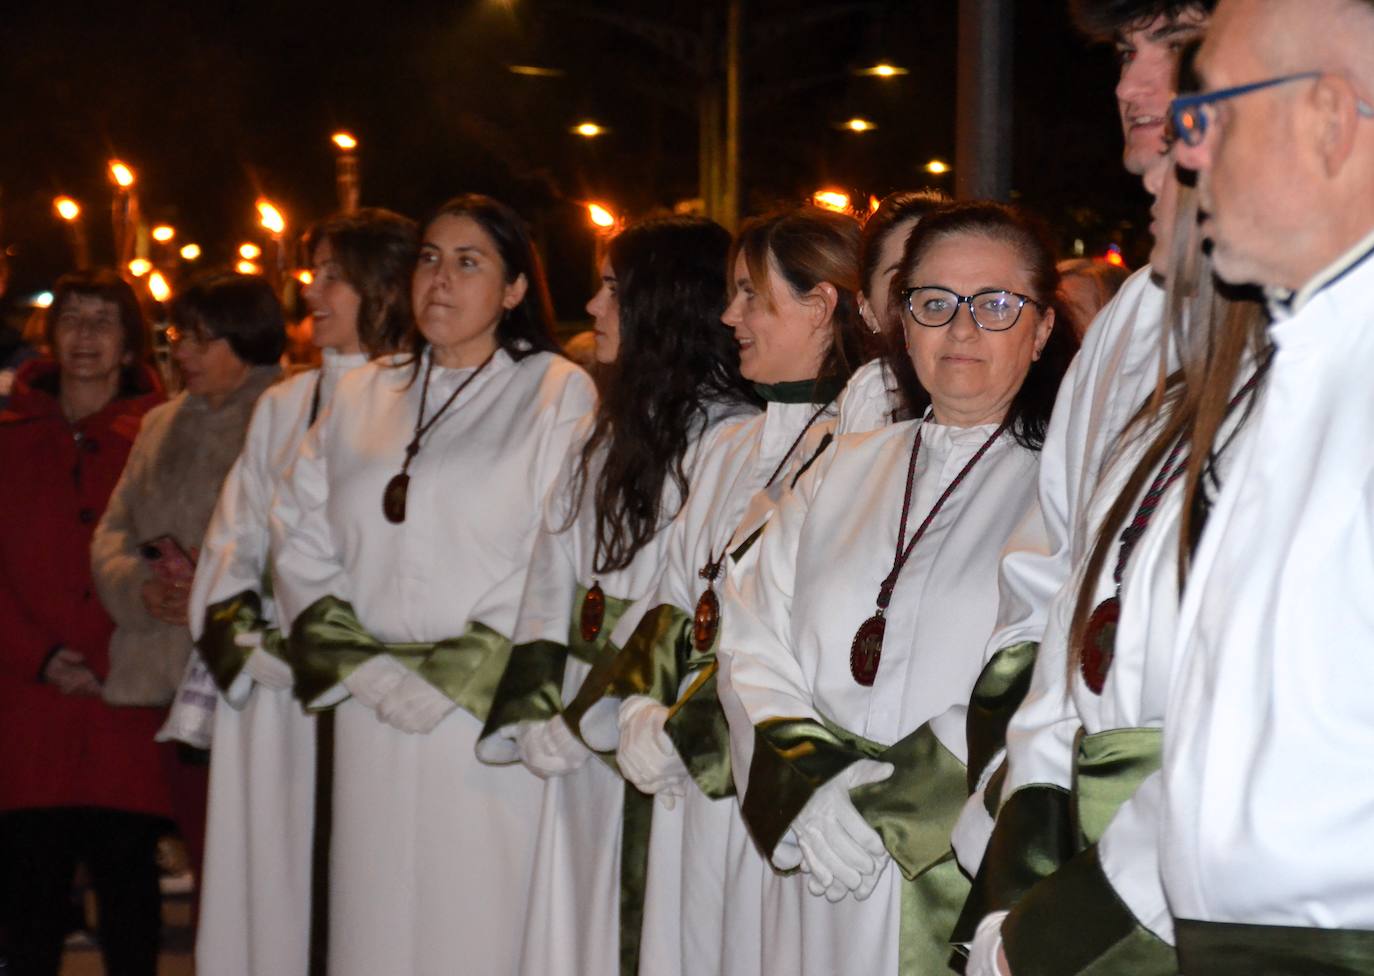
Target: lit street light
x,y
70,212
247,268
158,287
304,276
249,251
270,217
122,175
601,217
346,171
190,252
882,70
163,233
123,209
589,130
857,124
139,267
836,200
937,167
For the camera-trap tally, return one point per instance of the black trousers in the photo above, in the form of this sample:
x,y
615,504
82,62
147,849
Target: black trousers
x,y
41,849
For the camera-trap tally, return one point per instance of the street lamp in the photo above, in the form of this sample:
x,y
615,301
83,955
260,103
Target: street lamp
x,y
304,276
122,175
601,217
589,130
937,167
70,212
836,200
139,267
190,252
270,217
882,69
249,251
346,170
858,124
158,287
123,208
163,233
247,268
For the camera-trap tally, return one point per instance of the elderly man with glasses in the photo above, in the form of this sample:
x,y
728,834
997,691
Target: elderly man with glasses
x,y
1268,835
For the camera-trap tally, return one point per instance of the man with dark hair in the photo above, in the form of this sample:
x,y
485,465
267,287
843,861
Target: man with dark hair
x,y
1267,847
1115,372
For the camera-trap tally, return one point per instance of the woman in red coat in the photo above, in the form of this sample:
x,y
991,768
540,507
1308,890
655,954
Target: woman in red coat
x,y
82,780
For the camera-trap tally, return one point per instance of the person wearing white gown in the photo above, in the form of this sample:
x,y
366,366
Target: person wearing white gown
x,y
782,264
402,536
850,642
673,401
256,897
1090,729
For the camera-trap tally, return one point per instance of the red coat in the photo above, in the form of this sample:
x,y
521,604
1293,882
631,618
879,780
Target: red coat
x,y
55,480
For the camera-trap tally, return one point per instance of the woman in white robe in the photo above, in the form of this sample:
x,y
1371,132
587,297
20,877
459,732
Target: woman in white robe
x,y
256,897
782,264
402,539
674,402
813,705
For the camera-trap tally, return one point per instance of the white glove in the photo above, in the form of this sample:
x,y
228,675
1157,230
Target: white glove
x,y
549,748
840,851
374,679
646,756
414,705
266,668
987,946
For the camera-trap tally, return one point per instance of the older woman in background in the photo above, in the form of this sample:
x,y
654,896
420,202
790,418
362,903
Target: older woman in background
x,y
227,335
82,780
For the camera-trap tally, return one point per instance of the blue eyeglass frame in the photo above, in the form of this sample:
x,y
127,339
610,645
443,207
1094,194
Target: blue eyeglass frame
x,y
1191,126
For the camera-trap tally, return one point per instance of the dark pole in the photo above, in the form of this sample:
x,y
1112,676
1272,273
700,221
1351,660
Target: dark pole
x,y
982,165
730,190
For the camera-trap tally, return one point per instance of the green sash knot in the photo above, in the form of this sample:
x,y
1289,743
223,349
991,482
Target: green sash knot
x,y
328,643
225,621
1230,949
914,812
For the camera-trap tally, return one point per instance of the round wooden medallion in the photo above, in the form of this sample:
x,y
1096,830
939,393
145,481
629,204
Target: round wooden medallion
x,y
706,620
1099,644
866,651
593,613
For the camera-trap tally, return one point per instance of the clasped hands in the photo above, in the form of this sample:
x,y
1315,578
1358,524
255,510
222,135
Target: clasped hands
x,y
834,845
402,698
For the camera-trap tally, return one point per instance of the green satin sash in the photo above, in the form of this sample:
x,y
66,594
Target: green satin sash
x,y
1074,923
996,696
914,812
1229,949
531,686
225,621
1108,768
701,735
328,643
637,820
650,663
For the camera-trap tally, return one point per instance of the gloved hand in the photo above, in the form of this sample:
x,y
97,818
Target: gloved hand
x,y
646,756
263,666
374,679
549,748
840,851
414,705
986,950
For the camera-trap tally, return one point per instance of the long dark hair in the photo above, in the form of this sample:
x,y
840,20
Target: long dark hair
x,y
528,327
675,360
809,245
1030,409
375,250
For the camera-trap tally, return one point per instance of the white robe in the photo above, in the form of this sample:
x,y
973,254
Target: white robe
x,y
574,922
1269,802
788,628
1113,373
255,889
432,850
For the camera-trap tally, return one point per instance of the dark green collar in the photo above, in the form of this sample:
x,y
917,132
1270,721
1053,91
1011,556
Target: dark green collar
x,y
821,390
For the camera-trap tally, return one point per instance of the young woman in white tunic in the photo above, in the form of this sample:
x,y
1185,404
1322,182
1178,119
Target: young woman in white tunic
x,y
798,350
256,888
830,668
673,403
403,535
1095,895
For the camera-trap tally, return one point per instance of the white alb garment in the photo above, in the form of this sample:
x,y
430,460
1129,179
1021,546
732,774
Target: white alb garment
x,y
255,884
432,850
1267,792
788,627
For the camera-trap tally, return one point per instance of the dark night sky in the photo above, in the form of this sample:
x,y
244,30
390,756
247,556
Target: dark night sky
x,y
215,102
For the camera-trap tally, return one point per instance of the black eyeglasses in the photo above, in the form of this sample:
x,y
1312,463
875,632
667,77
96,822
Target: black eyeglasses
x,y
993,311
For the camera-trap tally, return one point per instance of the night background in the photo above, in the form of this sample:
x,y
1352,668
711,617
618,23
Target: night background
x,y
215,104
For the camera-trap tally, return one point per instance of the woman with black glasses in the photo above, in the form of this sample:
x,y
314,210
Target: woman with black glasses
x,y
856,641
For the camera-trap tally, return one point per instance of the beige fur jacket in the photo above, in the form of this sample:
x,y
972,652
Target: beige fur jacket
x,y
170,486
